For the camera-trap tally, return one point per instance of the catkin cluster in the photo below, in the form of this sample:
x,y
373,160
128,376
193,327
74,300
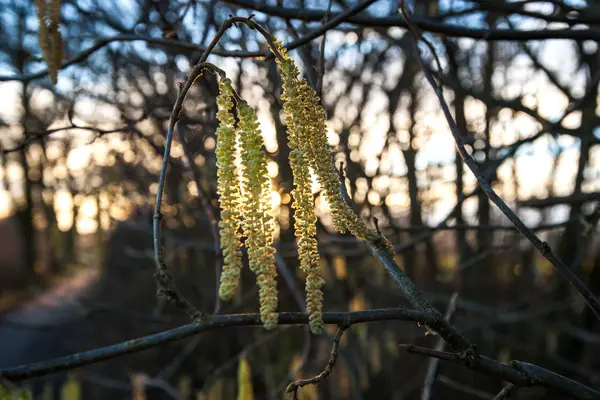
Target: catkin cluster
x,y
245,202
307,135
48,13
309,152
305,114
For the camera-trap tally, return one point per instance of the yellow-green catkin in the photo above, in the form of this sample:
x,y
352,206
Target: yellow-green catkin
x,y
258,219
304,214
309,115
56,39
49,36
229,192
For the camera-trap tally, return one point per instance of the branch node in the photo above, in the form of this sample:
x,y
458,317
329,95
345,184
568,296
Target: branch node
x,y
342,173
376,223
545,249
470,355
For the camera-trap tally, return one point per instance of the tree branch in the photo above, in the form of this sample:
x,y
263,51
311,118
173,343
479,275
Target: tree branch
x,y
506,391
519,373
23,372
293,387
432,368
484,183
425,24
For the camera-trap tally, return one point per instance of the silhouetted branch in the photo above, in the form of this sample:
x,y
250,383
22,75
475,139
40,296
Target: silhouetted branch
x,y
31,137
332,23
554,201
425,24
293,387
433,362
166,287
506,391
484,183
23,372
517,372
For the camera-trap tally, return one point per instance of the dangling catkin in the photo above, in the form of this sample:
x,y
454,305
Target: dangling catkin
x,y
49,36
258,220
229,192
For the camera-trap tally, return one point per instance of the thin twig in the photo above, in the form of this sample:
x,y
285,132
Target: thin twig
x,y
321,68
166,287
31,137
540,245
506,391
517,372
434,362
293,387
425,24
379,249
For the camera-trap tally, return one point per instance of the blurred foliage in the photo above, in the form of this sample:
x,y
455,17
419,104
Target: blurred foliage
x,y
244,386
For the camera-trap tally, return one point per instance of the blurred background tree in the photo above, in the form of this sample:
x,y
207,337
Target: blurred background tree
x,y
80,162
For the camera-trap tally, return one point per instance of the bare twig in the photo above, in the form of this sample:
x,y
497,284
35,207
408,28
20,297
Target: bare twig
x,y
433,362
338,19
378,248
506,391
166,287
164,280
321,67
31,137
20,373
484,183
425,24
293,387
519,373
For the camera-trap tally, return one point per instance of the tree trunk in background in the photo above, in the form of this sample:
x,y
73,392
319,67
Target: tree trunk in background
x,y
51,235
99,236
480,280
573,245
411,258
465,252
485,236
25,212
